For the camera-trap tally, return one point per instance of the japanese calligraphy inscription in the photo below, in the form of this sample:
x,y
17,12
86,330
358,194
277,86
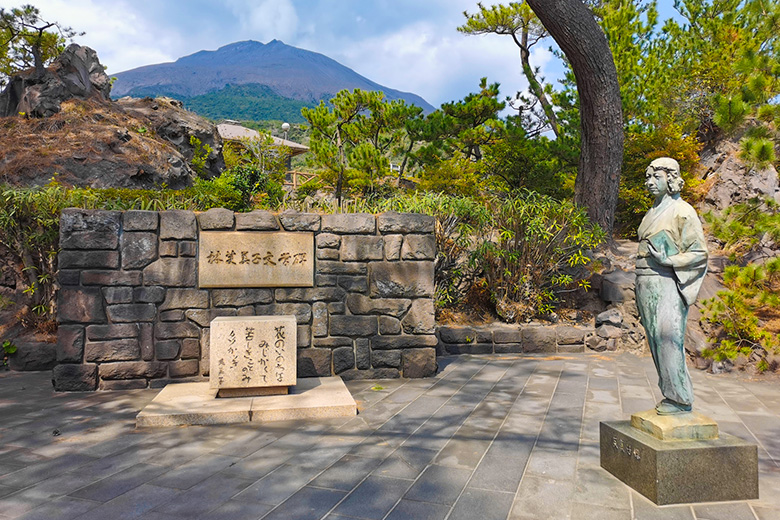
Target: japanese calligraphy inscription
x,y
256,259
253,352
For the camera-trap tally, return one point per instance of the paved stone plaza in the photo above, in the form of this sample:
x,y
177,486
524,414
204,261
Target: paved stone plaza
x,y
489,437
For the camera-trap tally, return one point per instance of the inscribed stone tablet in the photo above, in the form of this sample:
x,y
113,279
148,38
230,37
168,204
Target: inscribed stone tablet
x,y
255,259
253,351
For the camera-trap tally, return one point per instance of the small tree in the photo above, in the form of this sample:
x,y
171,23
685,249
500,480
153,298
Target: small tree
x,y
27,40
355,139
518,21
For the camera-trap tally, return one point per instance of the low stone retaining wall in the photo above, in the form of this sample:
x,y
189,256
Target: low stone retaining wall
x,y
504,339
132,312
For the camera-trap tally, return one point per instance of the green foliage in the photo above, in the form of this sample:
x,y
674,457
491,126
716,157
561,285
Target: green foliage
x,y
354,140
741,228
641,148
8,349
751,291
730,112
247,101
454,176
27,40
518,21
200,155
537,253
757,152
517,161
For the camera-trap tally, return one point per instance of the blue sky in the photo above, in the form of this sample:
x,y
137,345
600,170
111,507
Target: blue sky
x,y
410,45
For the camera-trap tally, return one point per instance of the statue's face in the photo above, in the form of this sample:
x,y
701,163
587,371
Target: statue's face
x,y
656,182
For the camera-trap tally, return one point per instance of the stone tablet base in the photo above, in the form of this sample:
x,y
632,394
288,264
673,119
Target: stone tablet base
x,y
253,392
195,403
675,472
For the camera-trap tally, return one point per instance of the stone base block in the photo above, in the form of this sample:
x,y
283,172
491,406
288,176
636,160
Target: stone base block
x,y
196,403
253,392
676,472
679,427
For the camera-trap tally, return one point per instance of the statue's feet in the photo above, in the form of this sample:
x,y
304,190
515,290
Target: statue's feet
x,y
669,407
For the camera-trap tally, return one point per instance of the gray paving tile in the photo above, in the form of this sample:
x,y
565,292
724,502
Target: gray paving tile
x,y
277,486
373,498
376,447
62,508
555,464
646,510
132,504
208,495
346,473
120,483
767,513
439,485
732,511
44,470
482,504
406,463
580,511
307,504
542,498
503,465
411,510
236,510
198,470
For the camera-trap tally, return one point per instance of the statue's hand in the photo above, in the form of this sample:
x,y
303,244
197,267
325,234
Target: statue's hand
x,y
659,256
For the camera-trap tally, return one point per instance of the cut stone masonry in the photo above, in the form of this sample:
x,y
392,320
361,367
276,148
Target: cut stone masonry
x,y
132,314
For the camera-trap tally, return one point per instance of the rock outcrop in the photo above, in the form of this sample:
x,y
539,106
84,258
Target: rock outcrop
x,y
730,181
62,124
76,73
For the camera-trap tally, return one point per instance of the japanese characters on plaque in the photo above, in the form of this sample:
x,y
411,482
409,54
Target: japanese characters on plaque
x,y
253,351
255,259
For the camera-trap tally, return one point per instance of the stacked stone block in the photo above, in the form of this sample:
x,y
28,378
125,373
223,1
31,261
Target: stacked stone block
x,y
131,312
504,339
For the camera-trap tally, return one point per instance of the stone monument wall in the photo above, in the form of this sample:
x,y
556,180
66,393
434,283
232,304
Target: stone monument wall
x,y
132,312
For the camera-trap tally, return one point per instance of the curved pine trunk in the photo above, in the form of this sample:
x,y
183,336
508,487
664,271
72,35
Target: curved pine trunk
x,y
576,32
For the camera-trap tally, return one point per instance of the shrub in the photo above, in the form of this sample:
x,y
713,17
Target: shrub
x,y
757,152
641,148
535,254
752,297
741,228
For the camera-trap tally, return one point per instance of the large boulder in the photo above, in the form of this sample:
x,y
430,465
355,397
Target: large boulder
x,y
76,73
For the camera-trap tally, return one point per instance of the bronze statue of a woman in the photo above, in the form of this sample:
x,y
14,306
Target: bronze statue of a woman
x,y
670,267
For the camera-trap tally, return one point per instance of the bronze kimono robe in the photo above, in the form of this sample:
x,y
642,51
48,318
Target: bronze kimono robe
x,y
663,293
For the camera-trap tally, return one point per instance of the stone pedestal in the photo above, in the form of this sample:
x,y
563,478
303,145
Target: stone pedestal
x,y
679,471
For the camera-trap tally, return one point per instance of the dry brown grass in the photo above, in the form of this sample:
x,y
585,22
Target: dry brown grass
x,y
83,132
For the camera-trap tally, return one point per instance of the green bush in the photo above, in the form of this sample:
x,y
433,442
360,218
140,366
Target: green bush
x,y
741,228
752,293
757,152
535,254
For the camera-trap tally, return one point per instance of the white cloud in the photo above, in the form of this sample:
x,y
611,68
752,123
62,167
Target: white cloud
x,y
122,42
267,19
439,65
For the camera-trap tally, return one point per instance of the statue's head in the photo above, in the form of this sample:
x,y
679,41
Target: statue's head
x,y
672,169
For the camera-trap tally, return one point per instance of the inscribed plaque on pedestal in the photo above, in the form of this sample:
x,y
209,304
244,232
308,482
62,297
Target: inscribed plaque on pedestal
x,y
255,259
253,352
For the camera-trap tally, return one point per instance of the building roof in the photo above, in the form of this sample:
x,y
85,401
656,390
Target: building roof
x,y
231,131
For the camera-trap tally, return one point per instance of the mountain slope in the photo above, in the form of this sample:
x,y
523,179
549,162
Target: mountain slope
x,y
288,72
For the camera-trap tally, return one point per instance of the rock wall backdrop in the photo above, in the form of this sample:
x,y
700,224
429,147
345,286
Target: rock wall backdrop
x,y
132,314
